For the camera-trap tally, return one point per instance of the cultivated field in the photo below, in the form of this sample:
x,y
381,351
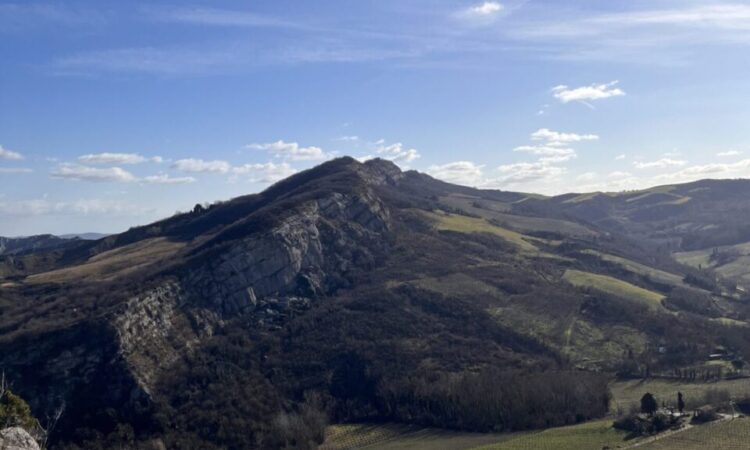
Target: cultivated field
x,y
587,436
403,437
727,435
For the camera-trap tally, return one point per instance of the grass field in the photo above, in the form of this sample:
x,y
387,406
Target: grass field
x,y
641,269
587,436
499,212
727,435
738,268
626,393
466,224
113,263
613,286
404,437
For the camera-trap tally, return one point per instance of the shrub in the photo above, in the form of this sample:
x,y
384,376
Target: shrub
x,y
15,412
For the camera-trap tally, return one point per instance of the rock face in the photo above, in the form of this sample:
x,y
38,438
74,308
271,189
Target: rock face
x,y
305,255
16,438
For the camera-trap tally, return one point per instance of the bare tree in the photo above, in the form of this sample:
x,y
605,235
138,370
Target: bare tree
x,y
51,423
3,385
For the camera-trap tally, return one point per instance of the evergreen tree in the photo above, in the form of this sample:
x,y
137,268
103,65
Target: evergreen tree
x,y
648,404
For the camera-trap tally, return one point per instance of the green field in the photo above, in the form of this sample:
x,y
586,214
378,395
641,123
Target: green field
x,y
404,437
640,269
626,393
726,435
738,268
499,212
612,286
466,224
587,436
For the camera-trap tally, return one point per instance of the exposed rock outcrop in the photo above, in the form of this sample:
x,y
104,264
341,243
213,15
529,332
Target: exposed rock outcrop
x,y
305,255
16,438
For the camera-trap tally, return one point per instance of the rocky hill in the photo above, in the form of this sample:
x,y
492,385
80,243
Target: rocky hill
x,y
355,289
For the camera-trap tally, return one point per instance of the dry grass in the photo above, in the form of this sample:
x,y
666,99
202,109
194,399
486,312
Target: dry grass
x,y
114,263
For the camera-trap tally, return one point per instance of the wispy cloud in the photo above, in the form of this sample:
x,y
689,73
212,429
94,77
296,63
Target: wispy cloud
x,y
194,165
291,150
84,173
219,17
116,158
729,153
481,13
464,173
587,94
39,207
525,172
545,134
166,179
397,152
263,173
8,154
660,163
15,170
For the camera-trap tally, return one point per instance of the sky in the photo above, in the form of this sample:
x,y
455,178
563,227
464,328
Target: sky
x,y
115,114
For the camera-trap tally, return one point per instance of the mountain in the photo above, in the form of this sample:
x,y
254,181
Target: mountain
x,y
357,291
21,245
85,236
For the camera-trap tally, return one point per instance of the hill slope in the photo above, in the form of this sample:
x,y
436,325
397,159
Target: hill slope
x,y
353,286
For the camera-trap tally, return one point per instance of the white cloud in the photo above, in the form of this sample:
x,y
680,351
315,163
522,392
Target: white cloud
x,y
460,172
547,150
715,170
484,9
112,158
85,173
728,153
660,164
619,174
586,94
620,157
200,166
15,170
264,173
347,139
38,207
8,154
480,14
545,134
166,179
523,172
588,176
397,152
291,150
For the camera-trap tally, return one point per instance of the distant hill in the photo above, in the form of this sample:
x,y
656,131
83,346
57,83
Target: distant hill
x,y
21,245
85,236
378,291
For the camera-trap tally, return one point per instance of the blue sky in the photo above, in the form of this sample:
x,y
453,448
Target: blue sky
x,y
114,114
